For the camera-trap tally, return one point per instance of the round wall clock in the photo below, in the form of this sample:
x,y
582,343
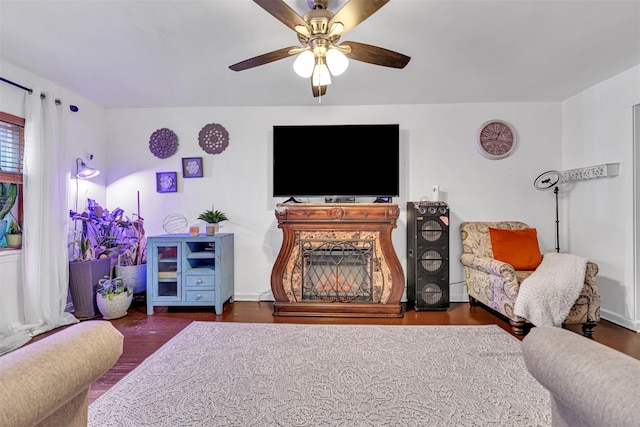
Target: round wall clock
x,y
495,139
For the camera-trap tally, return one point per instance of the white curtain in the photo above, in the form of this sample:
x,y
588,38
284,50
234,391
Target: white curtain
x,y
44,244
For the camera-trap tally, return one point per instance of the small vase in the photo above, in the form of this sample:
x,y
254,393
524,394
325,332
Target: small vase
x,y
212,229
116,307
14,240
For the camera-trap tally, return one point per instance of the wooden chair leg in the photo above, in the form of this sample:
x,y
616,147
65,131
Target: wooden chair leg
x,y
587,329
517,327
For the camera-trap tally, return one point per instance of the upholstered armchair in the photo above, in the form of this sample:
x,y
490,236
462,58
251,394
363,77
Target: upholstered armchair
x,y
495,284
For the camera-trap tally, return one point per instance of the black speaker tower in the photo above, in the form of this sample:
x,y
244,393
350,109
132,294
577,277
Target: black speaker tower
x,y
427,256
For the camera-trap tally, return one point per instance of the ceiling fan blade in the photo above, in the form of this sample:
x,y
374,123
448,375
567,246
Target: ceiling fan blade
x,y
263,59
376,55
318,91
281,11
356,11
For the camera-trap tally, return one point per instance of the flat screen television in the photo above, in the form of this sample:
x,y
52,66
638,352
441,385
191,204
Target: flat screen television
x,y
360,160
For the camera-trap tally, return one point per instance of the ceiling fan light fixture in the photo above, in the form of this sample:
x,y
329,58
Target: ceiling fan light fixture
x,y
336,28
319,56
337,61
321,75
304,64
301,29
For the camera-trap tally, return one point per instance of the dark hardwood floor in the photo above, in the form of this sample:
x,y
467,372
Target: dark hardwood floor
x,y
145,334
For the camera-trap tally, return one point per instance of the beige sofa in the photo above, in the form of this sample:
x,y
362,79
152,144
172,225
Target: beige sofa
x,y
495,284
47,383
590,384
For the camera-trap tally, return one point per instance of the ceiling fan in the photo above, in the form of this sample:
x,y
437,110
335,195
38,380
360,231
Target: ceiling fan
x,y
319,30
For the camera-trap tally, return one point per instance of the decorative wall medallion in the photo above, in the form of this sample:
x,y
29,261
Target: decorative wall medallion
x,y
163,143
213,138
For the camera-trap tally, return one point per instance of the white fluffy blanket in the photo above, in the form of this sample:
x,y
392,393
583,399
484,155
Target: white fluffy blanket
x,y
545,297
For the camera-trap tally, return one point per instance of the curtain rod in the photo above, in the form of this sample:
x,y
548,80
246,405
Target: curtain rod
x,y
42,95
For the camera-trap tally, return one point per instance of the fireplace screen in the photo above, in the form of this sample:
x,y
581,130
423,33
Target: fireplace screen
x,y
337,270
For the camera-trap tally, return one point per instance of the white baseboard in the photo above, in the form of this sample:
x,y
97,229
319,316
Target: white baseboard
x,y
458,292
255,297
634,325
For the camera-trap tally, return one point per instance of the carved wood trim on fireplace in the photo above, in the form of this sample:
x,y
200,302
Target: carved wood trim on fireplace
x,y
340,223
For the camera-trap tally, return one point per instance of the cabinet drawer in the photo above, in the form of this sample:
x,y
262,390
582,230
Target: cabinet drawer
x,y
200,281
194,296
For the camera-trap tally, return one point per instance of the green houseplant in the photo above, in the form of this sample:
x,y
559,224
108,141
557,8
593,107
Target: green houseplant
x,y
113,297
105,239
213,218
14,235
132,261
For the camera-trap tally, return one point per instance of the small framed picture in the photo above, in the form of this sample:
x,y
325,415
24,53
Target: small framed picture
x,y
192,167
166,182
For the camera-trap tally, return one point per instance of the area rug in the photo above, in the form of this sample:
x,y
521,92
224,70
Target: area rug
x,y
250,374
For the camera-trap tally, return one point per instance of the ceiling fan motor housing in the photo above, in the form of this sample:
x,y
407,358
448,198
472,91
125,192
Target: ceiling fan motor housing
x,y
318,4
318,20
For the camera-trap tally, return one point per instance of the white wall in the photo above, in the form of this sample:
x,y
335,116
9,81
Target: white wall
x,y
86,129
591,128
597,129
438,146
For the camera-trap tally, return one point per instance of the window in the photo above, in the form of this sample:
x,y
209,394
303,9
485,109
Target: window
x,y
11,161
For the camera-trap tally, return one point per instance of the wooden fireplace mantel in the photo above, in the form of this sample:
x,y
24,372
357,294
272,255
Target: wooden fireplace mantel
x,y
372,222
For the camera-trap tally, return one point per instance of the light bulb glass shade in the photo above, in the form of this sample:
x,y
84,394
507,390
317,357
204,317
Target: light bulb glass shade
x,y
321,76
85,172
337,62
336,28
303,65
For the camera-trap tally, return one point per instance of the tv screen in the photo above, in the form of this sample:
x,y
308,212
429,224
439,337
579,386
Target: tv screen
x,y
336,160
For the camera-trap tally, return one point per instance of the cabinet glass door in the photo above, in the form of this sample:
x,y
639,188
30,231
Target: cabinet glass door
x,y
167,272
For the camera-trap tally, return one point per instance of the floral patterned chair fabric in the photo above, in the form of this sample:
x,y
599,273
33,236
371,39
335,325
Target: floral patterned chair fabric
x,y
495,284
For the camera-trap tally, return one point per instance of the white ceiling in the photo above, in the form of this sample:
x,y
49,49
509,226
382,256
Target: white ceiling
x,y
154,53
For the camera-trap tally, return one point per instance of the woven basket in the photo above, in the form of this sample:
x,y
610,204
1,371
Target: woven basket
x,y
116,307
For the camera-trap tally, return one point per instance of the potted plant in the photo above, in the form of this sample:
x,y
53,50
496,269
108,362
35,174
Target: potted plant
x,y
213,218
114,297
14,235
104,235
132,262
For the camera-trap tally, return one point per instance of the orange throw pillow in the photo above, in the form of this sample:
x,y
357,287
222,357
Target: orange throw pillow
x,y
516,247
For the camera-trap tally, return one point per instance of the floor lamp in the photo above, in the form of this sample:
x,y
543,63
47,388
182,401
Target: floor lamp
x,y
545,182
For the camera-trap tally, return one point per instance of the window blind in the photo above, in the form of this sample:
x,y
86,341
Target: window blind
x,y
11,148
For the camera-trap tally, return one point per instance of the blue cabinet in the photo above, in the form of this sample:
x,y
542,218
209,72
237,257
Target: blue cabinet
x,y
186,270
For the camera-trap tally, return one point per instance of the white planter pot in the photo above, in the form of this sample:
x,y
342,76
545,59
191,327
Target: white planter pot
x,y
135,276
116,307
212,228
